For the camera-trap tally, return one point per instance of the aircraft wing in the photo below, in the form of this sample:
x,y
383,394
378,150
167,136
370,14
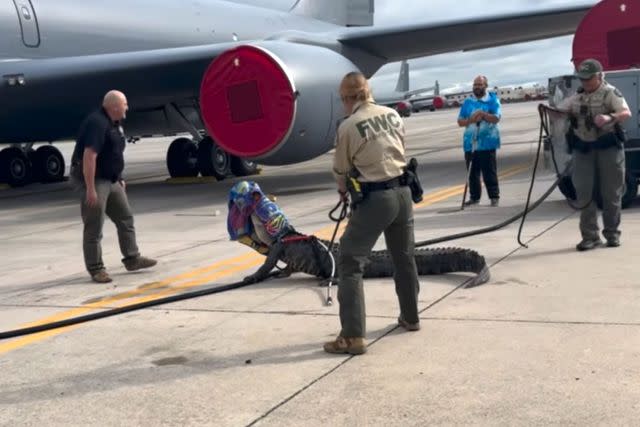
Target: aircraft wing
x,y
416,40
153,74
411,93
60,91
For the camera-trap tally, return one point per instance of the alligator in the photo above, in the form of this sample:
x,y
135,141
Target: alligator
x,y
309,254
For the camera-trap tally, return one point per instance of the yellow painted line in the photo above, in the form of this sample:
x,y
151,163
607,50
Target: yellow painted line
x,y
459,189
4,186
208,273
19,342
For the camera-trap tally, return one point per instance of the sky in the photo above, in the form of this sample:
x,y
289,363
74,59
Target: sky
x,y
518,64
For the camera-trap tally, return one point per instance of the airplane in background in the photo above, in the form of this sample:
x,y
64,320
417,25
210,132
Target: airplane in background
x,y
248,83
399,99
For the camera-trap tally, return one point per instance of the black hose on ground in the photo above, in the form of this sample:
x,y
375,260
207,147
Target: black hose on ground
x,y
343,214
115,311
544,131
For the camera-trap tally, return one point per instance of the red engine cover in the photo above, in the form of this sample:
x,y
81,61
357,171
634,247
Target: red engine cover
x,y
247,101
438,102
610,33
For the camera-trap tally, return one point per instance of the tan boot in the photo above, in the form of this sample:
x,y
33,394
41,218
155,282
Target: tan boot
x,y
139,263
101,276
344,345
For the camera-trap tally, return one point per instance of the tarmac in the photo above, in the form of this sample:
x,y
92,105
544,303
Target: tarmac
x,y
552,339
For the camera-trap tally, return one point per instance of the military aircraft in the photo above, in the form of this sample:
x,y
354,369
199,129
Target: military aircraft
x,y
399,98
248,83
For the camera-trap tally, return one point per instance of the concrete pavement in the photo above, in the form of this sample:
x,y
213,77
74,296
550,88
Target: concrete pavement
x,y
552,339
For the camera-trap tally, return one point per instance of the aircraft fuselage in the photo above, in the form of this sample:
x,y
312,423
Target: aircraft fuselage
x,y
39,29
48,29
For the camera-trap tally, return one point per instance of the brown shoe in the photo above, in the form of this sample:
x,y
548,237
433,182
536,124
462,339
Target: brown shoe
x,y
138,263
343,345
101,276
409,326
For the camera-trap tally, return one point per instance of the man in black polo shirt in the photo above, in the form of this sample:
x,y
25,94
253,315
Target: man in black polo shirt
x,y
97,164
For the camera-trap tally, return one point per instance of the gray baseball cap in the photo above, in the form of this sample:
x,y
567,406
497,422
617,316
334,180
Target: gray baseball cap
x,y
588,68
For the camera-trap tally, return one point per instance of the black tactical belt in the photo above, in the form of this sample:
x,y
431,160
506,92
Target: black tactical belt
x,y
383,185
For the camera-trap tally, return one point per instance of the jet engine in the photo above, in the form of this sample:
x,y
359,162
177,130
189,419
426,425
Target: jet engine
x,y
274,102
438,102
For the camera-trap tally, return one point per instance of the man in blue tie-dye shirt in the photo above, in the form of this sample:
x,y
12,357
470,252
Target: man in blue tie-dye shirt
x,y
479,115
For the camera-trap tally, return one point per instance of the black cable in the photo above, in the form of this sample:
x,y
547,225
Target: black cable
x,y
491,228
533,179
544,128
544,120
115,311
337,220
343,214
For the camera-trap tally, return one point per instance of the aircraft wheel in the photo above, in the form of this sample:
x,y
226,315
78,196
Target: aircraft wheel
x,y
243,167
48,164
213,160
15,167
182,158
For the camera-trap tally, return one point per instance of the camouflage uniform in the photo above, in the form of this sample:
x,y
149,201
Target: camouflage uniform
x,y
598,160
372,141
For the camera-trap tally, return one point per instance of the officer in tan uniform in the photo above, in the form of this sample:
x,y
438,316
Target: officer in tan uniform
x,y
596,139
371,142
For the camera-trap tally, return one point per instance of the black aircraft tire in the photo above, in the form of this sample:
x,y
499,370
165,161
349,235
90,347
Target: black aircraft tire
x,y
242,167
181,158
213,160
49,164
15,167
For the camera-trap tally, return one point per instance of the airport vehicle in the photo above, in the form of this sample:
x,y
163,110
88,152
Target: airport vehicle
x,y
247,83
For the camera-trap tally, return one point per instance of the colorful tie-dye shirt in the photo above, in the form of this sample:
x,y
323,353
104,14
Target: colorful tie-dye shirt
x,y
488,134
242,204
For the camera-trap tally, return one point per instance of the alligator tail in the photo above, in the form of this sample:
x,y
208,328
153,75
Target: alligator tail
x,y
431,261
434,261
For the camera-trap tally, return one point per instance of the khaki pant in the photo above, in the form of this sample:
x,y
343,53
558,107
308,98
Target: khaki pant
x,y
389,212
112,202
604,168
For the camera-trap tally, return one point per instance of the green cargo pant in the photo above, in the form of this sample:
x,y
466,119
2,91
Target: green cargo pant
x,y
604,168
389,211
113,202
